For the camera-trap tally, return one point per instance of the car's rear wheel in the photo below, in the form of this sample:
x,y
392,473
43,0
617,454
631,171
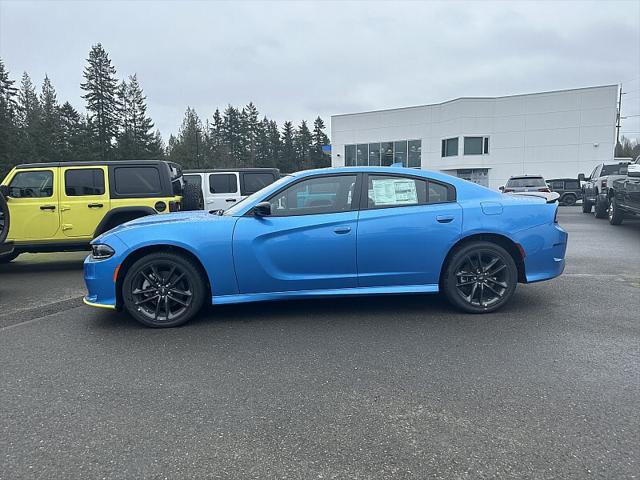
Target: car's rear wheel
x,y
616,216
163,290
480,277
586,206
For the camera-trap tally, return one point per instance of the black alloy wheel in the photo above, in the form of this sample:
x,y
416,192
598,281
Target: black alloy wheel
x,y
481,277
163,290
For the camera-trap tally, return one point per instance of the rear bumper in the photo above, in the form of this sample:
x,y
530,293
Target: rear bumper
x,y
545,247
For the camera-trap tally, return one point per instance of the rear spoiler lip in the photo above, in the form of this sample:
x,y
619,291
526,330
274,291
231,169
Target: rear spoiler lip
x,y
549,197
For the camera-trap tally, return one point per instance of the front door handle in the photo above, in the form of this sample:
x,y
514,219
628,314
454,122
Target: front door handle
x,y
230,200
444,218
95,205
342,230
47,207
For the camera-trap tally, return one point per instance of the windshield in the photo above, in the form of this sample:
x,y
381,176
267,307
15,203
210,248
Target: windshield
x,y
526,182
272,187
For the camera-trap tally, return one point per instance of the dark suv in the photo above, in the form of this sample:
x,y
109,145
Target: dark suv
x,y
568,189
624,195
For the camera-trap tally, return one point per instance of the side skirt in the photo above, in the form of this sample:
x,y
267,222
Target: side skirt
x,y
337,292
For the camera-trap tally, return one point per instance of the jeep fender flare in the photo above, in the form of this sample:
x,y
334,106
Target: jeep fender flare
x,y
128,211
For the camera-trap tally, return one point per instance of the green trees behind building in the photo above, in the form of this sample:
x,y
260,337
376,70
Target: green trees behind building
x,y
36,127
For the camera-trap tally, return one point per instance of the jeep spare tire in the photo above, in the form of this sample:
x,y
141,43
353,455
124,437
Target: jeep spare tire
x,y
4,219
192,198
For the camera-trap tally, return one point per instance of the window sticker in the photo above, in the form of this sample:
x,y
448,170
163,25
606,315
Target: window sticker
x,y
394,191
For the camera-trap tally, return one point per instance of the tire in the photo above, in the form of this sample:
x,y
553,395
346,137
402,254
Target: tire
x,y
192,198
616,216
8,257
601,209
163,290
586,206
569,200
4,219
466,291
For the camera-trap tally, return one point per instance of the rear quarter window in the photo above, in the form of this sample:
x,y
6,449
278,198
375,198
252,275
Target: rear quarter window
x,y
137,180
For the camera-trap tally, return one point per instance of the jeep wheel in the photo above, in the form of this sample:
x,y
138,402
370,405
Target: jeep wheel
x,y
163,290
616,216
586,206
192,198
4,219
601,209
480,277
569,199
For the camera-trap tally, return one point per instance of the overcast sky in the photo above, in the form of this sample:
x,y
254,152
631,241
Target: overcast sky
x,y
296,60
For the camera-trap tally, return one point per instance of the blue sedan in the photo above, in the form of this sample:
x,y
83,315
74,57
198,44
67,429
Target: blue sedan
x,y
331,232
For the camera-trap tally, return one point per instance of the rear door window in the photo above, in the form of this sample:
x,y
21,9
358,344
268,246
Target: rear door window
x,y
254,181
223,183
137,181
84,182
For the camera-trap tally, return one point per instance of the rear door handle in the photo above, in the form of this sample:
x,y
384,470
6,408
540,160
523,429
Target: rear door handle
x,y
231,200
47,207
342,230
95,205
444,218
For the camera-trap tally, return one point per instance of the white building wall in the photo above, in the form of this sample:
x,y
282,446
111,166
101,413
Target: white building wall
x,y
555,134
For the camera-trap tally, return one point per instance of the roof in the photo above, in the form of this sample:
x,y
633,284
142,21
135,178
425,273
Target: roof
x,y
214,170
474,98
88,163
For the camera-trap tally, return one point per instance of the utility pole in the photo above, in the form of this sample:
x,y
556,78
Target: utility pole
x,y
618,117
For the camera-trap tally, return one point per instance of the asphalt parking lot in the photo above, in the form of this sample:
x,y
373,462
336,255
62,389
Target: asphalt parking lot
x,y
393,387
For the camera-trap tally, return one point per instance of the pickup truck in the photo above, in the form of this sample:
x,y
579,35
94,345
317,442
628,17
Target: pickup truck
x,y
595,192
624,195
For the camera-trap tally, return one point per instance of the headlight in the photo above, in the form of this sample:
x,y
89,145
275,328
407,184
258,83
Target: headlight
x,y
101,251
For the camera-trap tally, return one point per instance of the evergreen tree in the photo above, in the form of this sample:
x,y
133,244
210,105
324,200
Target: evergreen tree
x,y
29,121
135,136
50,138
232,135
320,139
250,131
187,148
288,159
100,85
8,121
75,136
302,142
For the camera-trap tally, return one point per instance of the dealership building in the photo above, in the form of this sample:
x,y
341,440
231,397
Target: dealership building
x,y
486,140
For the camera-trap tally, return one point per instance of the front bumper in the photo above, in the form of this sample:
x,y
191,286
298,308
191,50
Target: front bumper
x,y
99,277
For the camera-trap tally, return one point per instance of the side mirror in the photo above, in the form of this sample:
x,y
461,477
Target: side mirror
x,y
633,170
4,190
581,177
501,188
263,209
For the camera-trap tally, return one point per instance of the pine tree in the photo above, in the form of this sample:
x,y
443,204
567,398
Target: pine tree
x,y
232,134
135,137
75,136
29,121
303,147
320,139
187,148
50,138
288,159
8,121
100,85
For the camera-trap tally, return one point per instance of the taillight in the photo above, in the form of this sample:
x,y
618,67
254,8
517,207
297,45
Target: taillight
x,y
604,183
544,190
174,206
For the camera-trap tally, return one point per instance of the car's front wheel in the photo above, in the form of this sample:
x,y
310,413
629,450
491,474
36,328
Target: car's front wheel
x,y
480,277
601,208
616,216
586,205
163,290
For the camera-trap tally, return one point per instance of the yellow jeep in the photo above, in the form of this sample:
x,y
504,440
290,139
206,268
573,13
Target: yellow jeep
x,y
62,206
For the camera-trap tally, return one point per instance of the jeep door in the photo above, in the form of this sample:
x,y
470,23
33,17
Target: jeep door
x,y
223,190
84,199
33,205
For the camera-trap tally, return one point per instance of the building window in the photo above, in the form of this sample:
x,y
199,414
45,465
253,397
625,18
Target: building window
x,y
349,155
386,153
415,148
362,154
400,152
374,154
450,147
476,145
407,152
